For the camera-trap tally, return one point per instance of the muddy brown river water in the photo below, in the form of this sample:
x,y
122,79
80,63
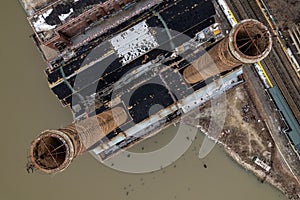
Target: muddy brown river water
x,y
28,107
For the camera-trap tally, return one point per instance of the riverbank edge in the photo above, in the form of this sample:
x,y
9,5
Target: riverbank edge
x,y
246,166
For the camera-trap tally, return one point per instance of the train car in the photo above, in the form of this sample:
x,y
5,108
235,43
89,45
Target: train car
x,y
228,13
262,76
291,55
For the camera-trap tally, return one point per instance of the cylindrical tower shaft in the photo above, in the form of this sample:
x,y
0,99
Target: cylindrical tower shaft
x,y
54,150
248,42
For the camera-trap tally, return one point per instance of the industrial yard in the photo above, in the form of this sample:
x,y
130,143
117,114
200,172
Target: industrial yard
x,y
129,69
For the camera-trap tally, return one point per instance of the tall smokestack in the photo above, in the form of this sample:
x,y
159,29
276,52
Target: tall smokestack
x,y
54,150
248,42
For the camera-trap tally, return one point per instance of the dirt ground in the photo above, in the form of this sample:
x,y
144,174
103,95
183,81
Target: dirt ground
x,y
245,135
286,12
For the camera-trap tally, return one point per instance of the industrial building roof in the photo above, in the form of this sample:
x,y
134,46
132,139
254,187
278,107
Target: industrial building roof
x,y
294,127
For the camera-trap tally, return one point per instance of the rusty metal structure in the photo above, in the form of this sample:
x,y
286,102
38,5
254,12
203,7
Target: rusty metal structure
x,y
248,42
54,150
130,42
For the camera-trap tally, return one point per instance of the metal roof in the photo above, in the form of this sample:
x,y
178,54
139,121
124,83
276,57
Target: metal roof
x,y
294,131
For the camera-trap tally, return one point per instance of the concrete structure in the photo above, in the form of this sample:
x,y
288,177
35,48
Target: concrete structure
x,y
248,42
126,83
56,24
261,163
54,150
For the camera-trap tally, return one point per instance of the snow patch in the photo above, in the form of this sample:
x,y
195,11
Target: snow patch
x,y
134,42
40,25
63,17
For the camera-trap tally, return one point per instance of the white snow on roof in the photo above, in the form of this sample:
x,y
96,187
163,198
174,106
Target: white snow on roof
x,y
63,17
47,13
134,42
39,22
41,25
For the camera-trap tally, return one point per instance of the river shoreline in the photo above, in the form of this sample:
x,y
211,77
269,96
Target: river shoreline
x,y
246,166
245,136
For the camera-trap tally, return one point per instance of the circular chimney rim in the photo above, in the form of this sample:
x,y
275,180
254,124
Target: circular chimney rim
x,y
65,142
233,43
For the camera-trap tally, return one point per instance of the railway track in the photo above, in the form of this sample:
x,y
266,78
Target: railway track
x,y
277,63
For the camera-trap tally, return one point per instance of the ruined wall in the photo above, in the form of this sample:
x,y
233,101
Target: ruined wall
x,y
31,5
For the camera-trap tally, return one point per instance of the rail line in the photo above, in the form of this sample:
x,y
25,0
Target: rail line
x,y
284,77
280,75
233,21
